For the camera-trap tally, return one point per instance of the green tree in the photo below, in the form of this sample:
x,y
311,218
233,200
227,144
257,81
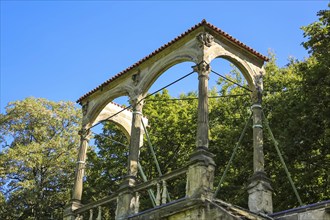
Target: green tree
x,y
228,115
297,106
37,162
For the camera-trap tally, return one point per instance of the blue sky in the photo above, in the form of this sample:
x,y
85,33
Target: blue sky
x,y
59,50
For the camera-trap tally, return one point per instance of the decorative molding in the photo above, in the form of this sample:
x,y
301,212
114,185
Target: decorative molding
x,y
205,39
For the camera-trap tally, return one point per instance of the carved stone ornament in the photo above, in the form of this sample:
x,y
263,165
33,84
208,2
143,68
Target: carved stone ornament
x,y
259,87
136,78
205,39
202,68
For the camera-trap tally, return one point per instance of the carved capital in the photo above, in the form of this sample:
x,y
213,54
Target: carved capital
x,y
205,39
257,96
136,99
85,134
203,69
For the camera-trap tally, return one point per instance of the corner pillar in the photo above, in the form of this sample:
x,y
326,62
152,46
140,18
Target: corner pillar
x,y
136,139
79,175
127,202
259,189
200,174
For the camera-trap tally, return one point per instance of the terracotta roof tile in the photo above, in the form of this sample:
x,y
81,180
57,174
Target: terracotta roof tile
x,y
203,22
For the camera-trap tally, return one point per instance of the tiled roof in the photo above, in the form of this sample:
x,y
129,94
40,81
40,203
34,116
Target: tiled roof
x,y
203,22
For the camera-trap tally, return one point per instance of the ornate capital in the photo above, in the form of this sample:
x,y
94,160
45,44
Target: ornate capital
x,y
259,87
136,99
203,69
205,39
84,134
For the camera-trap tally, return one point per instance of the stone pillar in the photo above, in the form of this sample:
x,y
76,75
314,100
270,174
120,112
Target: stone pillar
x,y
79,175
258,150
259,189
136,136
126,201
201,169
203,69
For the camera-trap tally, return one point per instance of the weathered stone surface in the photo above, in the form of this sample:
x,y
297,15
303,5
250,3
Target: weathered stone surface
x,y
136,140
317,211
197,209
81,161
68,210
122,119
260,197
260,191
202,137
126,204
200,174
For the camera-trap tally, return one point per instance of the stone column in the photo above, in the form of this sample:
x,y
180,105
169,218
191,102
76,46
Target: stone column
x,y
203,69
79,175
126,201
136,136
201,170
259,189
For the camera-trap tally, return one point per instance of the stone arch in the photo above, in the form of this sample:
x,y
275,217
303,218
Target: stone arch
x,y
158,68
123,120
243,67
96,107
244,64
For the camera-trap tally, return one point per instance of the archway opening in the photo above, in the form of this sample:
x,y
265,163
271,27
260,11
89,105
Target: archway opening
x,y
172,115
228,113
107,156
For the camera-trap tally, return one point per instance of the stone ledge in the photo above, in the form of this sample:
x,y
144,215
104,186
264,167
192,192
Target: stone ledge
x,y
190,208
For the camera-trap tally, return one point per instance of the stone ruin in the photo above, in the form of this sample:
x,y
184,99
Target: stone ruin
x,y
200,44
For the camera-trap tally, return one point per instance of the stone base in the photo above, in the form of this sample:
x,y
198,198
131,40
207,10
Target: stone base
x,y
260,194
200,174
127,203
68,210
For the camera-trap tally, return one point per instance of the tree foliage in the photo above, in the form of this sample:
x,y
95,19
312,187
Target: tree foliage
x,y
38,157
